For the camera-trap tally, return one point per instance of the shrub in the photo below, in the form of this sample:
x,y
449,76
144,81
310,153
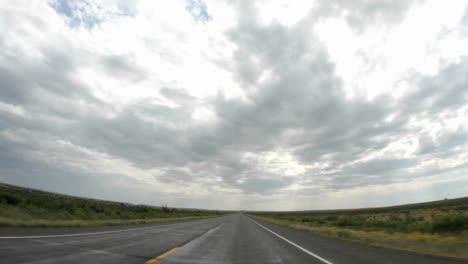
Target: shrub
x,y
10,199
352,221
449,223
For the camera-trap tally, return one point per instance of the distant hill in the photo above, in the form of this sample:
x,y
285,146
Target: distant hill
x,y
21,206
457,203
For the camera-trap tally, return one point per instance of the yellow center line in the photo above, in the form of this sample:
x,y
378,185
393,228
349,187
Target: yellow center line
x,y
174,249
214,228
161,256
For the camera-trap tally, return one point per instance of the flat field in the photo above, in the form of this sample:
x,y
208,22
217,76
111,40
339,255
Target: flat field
x,y
438,228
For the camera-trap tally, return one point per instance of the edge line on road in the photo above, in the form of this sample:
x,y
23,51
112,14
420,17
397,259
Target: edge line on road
x,y
82,234
90,233
294,244
161,256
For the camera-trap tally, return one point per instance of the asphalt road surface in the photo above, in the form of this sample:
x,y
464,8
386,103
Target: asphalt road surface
x,y
228,239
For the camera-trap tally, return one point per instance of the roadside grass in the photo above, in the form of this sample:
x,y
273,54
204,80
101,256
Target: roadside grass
x,y
443,246
8,222
437,228
23,207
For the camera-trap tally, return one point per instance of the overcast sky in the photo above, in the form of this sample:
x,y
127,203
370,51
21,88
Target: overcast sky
x,y
273,105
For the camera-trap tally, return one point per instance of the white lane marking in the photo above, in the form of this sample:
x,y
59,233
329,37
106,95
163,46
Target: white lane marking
x,y
86,234
79,234
294,244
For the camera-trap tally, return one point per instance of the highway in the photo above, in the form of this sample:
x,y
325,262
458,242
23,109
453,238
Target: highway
x,y
229,239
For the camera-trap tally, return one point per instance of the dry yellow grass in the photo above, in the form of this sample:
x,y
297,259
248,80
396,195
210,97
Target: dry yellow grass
x,y
450,246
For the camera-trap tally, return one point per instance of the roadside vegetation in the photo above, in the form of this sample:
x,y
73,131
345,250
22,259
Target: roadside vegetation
x,y
436,228
27,207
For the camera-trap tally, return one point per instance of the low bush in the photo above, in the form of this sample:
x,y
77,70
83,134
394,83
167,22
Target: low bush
x,y
450,223
447,216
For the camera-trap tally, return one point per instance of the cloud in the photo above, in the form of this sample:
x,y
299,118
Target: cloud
x,y
250,109
13,87
435,94
443,144
264,185
121,66
362,13
382,166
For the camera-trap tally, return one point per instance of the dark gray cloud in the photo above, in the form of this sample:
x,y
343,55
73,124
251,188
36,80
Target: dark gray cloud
x,y
443,144
178,96
445,91
264,185
29,81
121,67
382,166
13,87
17,170
362,13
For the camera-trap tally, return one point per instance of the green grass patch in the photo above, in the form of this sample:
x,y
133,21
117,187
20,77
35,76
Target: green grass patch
x,y
27,207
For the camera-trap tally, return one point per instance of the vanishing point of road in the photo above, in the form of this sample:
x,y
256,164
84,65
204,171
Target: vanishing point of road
x,y
228,239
